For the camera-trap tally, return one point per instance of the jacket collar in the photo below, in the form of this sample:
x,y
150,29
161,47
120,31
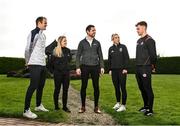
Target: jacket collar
x,y
116,45
93,41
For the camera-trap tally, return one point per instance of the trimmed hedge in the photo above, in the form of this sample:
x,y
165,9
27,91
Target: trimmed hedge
x,y
165,65
11,64
168,65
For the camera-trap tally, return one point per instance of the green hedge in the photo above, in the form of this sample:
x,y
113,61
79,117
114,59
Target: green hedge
x,y
11,64
165,65
168,65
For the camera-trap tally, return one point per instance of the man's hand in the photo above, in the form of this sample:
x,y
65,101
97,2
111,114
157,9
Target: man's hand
x,y
124,71
153,68
78,71
26,66
110,72
102,71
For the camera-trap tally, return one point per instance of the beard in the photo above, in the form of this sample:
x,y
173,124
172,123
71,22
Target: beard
x,y
139,33
92,35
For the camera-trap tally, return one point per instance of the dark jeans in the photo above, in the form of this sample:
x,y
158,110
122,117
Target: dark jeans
x,y
94,72
37,81
143,76
119,81
61,77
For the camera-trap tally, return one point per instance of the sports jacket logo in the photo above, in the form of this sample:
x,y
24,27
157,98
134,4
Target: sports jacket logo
x,y
120,49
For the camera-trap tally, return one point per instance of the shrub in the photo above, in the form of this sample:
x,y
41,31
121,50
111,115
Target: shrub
x,y
165,65
11,64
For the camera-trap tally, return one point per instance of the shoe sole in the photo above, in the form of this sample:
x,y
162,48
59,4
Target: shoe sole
x,y
116,108
37,110
98,112
67,111
29,117
149,114
143,111
120,111
81,112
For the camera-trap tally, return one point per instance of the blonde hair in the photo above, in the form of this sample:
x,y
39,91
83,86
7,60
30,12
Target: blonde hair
x,y
58,49
113,35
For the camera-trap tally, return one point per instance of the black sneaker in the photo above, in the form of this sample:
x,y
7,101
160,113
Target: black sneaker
x,y
143,109
57,108
66,110
148,112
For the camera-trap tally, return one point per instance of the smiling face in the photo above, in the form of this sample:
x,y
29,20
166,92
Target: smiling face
x,y
63,42
42,24
115,38
92,32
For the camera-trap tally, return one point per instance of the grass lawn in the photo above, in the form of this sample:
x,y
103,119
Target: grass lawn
x,y
12,94
166,105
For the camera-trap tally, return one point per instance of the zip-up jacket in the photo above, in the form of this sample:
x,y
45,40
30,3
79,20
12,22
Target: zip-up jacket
x,y
63,63
90,55
35,48
118,57
146,51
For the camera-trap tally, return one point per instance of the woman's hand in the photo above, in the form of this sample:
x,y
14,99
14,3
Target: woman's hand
x,y
124,71
102,71
110,72
78,71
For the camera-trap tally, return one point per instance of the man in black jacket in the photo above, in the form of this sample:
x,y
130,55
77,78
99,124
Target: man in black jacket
x,y
89,60
145,64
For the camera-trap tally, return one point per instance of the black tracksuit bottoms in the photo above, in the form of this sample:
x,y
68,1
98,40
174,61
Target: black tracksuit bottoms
x,y
143,76
61,77
119,81
94,72
37,81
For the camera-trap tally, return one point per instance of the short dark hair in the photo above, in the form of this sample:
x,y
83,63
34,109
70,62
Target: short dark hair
x,y
141,23
88,28
39,19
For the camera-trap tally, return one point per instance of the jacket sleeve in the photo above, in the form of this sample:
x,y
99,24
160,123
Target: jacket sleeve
x,y
101,60
109,60
126,57
49,49
152,51
78,55
69,56
27,52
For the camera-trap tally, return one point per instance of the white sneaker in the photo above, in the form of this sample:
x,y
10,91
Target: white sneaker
x,y
29,114
41,108
116,106
122,108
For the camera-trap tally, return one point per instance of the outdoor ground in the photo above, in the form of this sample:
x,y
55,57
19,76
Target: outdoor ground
x,y
166,106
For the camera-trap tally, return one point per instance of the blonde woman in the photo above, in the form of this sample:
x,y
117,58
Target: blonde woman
x,y
61,64
118,58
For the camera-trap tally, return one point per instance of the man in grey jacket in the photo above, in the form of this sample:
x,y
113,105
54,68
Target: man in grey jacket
x,y
36,62
89,61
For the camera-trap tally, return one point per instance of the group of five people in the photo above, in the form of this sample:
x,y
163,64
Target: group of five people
x,y
89,63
